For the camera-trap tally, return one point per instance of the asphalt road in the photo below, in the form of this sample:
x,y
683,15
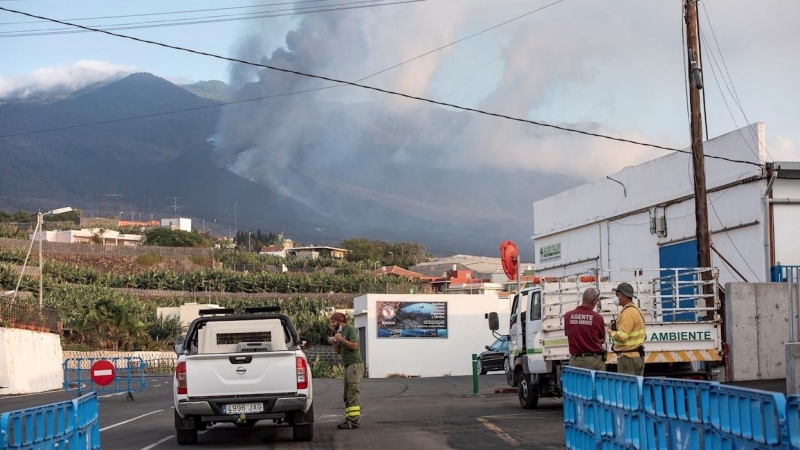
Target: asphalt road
x,y
402,414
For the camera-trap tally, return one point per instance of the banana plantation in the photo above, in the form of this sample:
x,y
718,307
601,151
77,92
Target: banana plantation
x,y
96,317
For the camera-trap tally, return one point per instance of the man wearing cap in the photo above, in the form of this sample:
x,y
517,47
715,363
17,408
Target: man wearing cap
x,y
586,333
345,342
628,333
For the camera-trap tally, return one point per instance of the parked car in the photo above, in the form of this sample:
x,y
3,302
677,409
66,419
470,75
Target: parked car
x,y
495,357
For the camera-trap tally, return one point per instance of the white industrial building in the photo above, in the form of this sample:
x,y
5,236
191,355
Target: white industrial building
x,y
424,335
90,236
643,216
177,223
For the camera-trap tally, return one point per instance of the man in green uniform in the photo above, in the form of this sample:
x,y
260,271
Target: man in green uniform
x,y
345,342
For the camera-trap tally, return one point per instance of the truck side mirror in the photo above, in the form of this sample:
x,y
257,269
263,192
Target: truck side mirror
x,y
494,321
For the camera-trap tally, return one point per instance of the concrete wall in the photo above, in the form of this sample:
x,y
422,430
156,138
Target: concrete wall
x,y
468,333
756,328
600,225
30,361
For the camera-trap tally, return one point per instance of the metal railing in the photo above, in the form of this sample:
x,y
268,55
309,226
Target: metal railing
x,y
23,315
663,295
781,273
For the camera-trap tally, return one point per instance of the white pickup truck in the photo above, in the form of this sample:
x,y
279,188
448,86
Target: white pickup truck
x,y
242,369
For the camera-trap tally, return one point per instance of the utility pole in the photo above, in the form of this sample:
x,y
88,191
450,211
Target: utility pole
x,y
695,77
235,218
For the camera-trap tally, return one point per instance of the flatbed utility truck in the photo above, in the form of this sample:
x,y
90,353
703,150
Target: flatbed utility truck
x,y
683,321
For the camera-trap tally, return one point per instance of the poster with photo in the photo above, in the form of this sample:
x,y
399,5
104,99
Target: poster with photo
x,y
412,319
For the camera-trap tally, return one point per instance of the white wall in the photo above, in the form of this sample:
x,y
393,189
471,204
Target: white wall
x,y
468,333
579,219
30,361
786,219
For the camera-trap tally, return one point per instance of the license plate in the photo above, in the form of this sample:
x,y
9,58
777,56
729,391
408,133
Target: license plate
x,y
243,408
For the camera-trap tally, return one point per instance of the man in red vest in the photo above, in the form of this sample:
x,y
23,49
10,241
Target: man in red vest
x,y
586,333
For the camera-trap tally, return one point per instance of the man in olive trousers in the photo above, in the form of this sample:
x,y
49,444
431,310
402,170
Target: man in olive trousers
x,y
345,342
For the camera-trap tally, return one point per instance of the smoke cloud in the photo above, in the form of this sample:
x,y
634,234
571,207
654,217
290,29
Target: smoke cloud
x,y
60,79
344,149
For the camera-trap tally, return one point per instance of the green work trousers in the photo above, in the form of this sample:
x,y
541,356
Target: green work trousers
x,y
630,366
352,392
588,362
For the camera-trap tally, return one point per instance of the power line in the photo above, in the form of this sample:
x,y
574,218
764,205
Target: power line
x,y
734,94
169,12
372,88
179,22
725,100
279,95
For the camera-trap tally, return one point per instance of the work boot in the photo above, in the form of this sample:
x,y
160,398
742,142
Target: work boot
x,y
347,425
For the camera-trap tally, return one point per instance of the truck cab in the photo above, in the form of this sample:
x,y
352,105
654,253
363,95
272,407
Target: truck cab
x,y
242,369
681,308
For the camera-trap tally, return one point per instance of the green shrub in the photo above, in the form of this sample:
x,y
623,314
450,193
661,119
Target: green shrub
x,y
149,260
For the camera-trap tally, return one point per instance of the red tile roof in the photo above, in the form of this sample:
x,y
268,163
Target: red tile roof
x,y
398,271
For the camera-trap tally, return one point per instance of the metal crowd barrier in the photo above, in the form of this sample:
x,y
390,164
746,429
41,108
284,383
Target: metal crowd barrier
x,y
129,378
71,425
610,411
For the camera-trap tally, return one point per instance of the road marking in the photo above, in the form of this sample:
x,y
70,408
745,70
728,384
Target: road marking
x,y
156,444
130,420
508,416
499,432
112,395
155,385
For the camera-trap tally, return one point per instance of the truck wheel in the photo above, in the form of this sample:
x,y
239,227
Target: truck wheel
x,y
303,432
481,370
528,398
186,437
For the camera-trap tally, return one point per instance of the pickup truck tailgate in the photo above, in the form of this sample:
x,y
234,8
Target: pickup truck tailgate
x,y
241,374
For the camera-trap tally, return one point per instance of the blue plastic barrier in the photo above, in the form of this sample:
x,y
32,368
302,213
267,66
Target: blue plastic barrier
x,y
793,420
747,417
677,412
579,402
619,410
578,439
130,375
609,411
71,424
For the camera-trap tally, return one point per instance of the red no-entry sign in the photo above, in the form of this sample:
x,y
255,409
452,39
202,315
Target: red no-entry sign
x,y
103,372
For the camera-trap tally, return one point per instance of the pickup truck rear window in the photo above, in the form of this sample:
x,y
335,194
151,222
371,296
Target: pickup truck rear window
x,y
235,338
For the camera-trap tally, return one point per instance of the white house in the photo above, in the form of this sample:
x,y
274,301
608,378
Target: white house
x,y
178,223
90,236
643,216
273,251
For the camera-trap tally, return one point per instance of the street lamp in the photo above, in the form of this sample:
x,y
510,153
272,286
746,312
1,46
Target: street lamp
x,y
248,241
392,255
39,220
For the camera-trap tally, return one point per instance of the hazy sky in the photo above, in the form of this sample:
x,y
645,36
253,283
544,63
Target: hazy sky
x,y
613,66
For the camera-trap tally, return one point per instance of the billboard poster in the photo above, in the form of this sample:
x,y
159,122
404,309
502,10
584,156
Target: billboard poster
x,y
412,319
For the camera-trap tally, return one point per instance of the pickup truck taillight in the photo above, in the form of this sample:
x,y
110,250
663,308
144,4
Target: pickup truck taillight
x,y
302,373
180,376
